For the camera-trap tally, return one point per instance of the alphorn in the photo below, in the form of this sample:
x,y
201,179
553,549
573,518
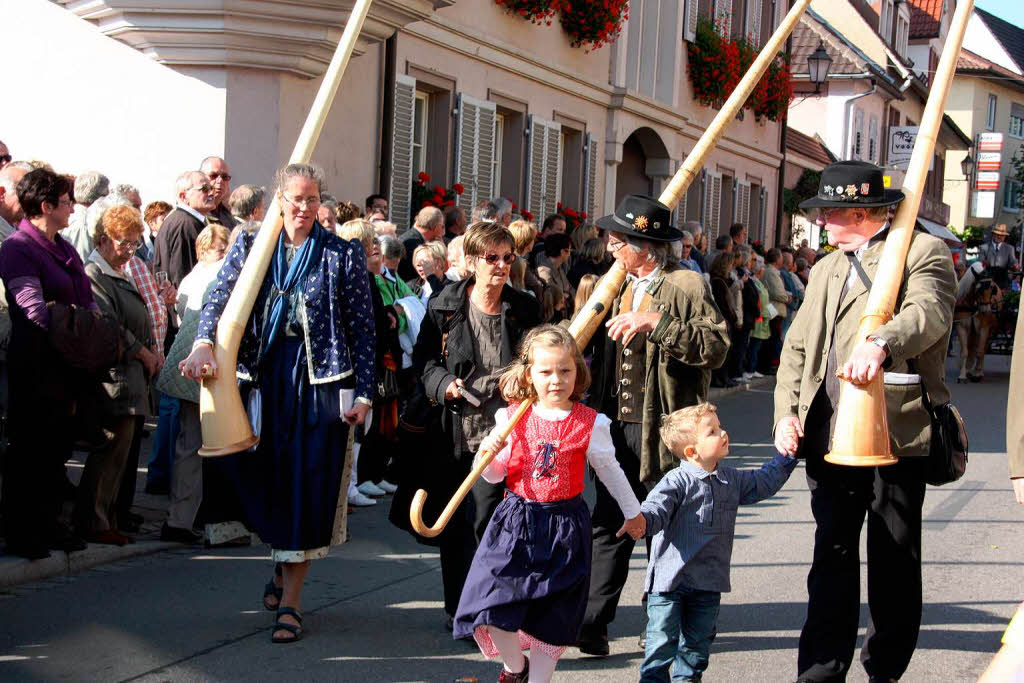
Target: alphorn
x,y
589,318
223,419
861,436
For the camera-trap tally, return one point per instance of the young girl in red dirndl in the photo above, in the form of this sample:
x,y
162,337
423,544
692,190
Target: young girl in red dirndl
x,y
528,584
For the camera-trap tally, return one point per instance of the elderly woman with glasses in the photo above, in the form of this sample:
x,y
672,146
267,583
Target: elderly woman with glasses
x,y
308,348
38,267
470,333
124,392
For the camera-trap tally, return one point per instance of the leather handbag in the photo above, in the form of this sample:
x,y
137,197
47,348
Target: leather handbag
x,y
87,339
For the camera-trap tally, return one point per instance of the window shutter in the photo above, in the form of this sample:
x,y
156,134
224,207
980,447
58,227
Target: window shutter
x,y
474,150
712,205
690,21
763,219
723,17
679,213
590,178
753,32
741,212
543,166
400,191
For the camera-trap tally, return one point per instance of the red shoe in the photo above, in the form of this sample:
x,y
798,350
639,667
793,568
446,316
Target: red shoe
x,y
521,677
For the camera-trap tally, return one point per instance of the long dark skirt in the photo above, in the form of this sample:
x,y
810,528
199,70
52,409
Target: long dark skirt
x,y
289,486
531,574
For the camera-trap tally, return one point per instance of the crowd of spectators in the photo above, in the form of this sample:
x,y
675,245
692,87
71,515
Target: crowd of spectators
x,y
474,284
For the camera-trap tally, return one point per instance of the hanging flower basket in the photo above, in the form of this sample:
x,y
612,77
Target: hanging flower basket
x,y
590,24
424,195
716,64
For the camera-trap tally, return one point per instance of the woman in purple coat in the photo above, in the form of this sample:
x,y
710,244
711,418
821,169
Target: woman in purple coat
x,y
39,267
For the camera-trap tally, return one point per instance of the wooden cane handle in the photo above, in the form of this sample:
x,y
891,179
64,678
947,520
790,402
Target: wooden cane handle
x,y
420,499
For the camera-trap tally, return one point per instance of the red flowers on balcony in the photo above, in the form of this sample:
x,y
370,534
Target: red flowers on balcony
x,y
716,65
589,23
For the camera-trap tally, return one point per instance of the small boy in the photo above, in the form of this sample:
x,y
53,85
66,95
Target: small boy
x,y
691,514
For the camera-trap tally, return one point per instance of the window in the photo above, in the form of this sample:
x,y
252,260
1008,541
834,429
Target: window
x,y
499,136
991,121
723,17
858,134
1011,195
902,34
1016,126
873,140
885,21
419,131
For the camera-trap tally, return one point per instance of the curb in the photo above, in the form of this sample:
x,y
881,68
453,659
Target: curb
x,y
15,571
718,393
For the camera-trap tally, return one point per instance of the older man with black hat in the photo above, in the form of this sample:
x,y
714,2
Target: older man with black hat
x,y
823,344
665,335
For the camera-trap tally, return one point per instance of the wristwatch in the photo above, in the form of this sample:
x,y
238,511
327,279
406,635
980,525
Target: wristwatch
x,y
880,343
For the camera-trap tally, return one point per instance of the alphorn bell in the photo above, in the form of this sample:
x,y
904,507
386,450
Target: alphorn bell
x,y
589,318
861,437
224,422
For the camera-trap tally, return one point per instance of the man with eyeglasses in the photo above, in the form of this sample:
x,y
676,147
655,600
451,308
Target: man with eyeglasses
x,y
174,251
216,169
686,259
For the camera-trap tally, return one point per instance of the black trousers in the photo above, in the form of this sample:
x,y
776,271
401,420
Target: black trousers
x,y
462,536
611,555
891,498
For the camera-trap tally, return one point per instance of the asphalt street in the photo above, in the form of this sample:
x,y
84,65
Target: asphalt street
x,y
373,610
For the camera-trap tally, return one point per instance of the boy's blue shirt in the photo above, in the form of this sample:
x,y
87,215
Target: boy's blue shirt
x,y
691,514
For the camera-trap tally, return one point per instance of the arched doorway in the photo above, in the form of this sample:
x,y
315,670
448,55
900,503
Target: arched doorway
x,y
633,175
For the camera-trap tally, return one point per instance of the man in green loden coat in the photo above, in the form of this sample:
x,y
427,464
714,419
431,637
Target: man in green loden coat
x,y
822,343
665,336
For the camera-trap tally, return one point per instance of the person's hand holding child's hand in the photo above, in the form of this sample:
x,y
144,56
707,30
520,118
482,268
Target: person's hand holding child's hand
x,y
636,528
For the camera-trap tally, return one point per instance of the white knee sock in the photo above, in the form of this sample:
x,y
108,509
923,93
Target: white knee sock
x,y
508,646
352,490
542,666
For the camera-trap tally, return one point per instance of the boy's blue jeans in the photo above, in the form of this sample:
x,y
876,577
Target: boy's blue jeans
x,y
162,455
681,626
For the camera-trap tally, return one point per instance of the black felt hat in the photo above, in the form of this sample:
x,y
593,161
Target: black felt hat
x,y
852,183
643,217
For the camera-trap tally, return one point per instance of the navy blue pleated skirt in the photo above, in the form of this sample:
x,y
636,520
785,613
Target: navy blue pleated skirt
x,y
290,485
531,572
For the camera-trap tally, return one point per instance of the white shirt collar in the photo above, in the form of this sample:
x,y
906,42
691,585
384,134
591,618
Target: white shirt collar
x,y
189,209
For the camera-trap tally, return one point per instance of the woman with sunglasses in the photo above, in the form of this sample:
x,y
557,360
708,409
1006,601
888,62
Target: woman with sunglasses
x,y
470,333
308,347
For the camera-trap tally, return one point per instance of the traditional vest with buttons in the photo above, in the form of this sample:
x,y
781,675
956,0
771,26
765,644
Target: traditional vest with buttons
x,y
632,365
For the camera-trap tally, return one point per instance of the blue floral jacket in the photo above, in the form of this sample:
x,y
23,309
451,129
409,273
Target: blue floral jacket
x,y
337,315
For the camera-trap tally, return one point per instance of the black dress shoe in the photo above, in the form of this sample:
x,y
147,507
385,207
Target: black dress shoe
x,y
68,542
29,552
174,534
593,642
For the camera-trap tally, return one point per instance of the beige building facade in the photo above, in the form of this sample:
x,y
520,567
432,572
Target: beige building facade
x,y
987,99
460,90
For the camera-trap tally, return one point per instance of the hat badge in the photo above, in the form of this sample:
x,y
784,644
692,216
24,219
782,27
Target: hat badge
x,y
865,189
629,215
640,223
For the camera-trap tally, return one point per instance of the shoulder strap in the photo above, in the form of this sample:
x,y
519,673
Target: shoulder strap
x,y
911,362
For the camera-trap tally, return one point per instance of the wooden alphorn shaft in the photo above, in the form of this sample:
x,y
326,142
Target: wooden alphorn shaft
x,y
223,419
861,436
589,318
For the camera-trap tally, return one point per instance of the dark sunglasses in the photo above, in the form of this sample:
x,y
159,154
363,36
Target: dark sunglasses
x,y
5,158
508,258
214,176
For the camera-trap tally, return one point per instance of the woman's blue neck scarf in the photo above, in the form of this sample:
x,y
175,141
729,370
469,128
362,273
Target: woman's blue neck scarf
x,y
286,278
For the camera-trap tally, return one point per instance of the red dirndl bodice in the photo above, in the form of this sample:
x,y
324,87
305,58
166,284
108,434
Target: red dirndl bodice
x,y
548,458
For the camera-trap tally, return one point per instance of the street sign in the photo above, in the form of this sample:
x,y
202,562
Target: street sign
x,y
990,142
983,204
901,143
989,161
986,180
